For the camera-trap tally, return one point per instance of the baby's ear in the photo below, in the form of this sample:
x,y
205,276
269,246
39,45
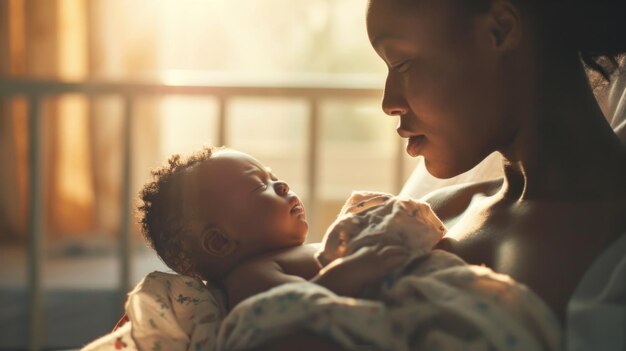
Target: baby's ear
x,y
217,243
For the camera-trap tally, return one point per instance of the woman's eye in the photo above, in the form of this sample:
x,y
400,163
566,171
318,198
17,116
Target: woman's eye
x,y
402,67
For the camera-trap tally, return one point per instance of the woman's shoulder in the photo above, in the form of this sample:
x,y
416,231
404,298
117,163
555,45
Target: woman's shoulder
x,y
451,201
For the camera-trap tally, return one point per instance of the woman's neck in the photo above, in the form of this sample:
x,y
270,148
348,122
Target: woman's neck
x,y
564,149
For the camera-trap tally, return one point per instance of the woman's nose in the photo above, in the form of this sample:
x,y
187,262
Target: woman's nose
x,y
394,103
281,188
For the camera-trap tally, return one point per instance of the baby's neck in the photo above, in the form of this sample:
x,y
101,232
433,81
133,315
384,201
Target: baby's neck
x,y
295,260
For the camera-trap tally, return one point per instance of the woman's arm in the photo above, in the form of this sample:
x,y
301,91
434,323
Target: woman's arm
x,y
305,341
346,276
302,341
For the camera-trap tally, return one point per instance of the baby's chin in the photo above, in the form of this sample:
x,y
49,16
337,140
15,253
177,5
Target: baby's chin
x,y
297,240
301,233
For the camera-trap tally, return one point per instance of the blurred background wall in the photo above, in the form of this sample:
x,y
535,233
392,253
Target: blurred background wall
x,y
246,41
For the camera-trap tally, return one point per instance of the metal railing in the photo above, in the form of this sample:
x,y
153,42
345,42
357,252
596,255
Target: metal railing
x,y
35,91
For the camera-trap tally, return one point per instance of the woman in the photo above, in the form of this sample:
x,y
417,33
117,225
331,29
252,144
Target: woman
x,y
470,77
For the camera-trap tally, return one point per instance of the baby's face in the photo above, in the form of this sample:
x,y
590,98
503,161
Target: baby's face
x,y
251,204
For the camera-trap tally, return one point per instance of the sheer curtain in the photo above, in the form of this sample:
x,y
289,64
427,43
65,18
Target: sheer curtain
x,y
136,39
82,155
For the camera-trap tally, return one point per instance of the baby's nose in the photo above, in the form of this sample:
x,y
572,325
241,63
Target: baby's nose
x,y
281,188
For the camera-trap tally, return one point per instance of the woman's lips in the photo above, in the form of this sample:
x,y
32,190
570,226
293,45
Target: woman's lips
x,y
414,145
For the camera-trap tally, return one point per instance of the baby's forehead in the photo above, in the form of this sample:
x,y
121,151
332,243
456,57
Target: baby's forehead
x,y
223,177
234,161
225,171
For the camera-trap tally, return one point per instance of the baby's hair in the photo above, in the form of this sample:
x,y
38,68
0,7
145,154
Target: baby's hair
x,y
160,214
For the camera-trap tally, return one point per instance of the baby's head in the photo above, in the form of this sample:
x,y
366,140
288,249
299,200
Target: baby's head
x,y
205,214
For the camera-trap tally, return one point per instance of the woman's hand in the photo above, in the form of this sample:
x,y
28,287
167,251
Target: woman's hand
x,y
349,275
339,244
340,234
371,264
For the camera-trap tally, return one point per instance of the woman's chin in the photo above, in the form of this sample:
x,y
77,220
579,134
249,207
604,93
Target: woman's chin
x,y
443,171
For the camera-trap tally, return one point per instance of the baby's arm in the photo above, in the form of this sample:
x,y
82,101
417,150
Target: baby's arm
x,y
345,276
255,277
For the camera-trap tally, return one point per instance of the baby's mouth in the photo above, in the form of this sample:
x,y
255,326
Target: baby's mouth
x,y
297,209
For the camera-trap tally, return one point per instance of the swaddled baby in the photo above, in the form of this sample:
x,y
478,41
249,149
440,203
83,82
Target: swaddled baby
x,y
221,215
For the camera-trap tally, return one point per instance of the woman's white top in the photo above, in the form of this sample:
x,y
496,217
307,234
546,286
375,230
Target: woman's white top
x,y
596,314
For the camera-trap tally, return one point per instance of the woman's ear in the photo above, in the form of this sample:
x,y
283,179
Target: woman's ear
x,y
504,25
217,243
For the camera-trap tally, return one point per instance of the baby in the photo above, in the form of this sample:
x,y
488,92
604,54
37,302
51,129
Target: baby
x,y
220,215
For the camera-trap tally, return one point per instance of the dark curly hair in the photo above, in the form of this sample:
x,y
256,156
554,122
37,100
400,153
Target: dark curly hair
x,y
595,29
160,214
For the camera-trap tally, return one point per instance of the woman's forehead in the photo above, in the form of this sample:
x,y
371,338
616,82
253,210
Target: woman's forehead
x,y
412,19
411,10
386,14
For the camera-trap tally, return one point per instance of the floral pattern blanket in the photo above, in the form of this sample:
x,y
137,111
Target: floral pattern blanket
x,y
168,312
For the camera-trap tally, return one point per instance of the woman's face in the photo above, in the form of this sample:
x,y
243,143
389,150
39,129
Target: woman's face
x,y
445,82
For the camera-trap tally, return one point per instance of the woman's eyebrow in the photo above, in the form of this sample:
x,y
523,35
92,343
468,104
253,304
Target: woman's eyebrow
x,y
384,44
387,37
376,40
